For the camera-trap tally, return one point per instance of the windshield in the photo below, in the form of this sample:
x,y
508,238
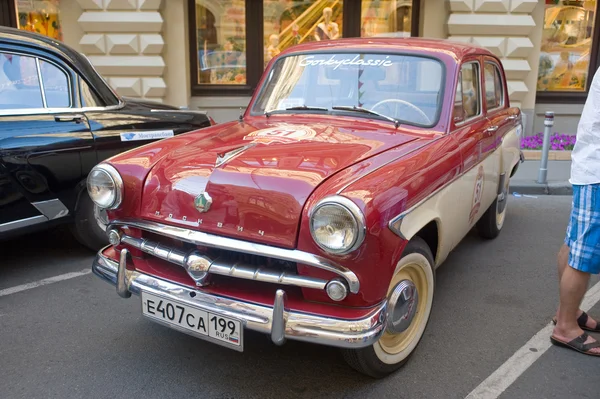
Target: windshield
x,y
406,88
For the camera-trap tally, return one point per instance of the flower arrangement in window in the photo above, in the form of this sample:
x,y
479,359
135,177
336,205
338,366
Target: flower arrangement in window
x,y
41,17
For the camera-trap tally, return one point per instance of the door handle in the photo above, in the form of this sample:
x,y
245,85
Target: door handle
x,y
77,118
491,129
512,117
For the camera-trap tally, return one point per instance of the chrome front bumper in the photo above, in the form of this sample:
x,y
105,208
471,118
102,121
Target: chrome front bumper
x,y
277,321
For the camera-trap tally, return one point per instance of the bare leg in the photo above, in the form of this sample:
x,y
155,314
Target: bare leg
x,y
563,260
573,285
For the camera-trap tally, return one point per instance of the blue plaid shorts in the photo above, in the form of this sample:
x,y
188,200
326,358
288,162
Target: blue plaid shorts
x,y
583,232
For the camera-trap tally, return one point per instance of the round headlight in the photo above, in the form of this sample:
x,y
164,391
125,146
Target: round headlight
x,y
337,225
105,186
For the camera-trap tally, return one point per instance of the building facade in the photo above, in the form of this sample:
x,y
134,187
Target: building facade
x,y
210,54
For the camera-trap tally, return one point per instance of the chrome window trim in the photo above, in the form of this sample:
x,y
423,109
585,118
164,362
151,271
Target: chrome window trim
x,y
49,111
480,114
45,109
232,244
55,110
41,82
356,213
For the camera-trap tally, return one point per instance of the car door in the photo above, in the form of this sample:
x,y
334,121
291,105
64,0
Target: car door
x,y
500,119
468,124
42,139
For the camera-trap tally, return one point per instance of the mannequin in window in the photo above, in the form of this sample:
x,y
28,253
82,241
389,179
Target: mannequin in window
x,y
273,48
327,30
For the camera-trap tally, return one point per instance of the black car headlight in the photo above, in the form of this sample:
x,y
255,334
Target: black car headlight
x,y
105,186
337,225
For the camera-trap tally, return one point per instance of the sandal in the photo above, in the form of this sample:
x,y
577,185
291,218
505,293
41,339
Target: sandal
x,y
581,321
578,344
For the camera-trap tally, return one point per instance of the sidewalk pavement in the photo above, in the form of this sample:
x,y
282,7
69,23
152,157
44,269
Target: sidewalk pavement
x,y
525,180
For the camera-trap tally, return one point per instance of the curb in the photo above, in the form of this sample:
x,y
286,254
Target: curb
x,y
533,188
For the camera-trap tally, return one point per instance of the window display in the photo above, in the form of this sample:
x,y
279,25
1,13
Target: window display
x,y
221,41
386,18
40,16
288,22
566,45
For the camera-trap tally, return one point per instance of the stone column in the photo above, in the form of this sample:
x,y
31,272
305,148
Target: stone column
x,y
507,28
123,40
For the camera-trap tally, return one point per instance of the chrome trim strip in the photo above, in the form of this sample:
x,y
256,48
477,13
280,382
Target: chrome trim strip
x,y
300,326
198,266
231,244
41,81
52,209
17,224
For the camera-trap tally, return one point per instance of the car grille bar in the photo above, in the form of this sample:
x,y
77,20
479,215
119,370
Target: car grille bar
x,y
199,266
231,244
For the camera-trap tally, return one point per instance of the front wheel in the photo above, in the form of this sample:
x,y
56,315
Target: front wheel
x,y
90,224
410,297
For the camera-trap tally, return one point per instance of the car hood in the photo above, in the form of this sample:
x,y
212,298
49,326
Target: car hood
x,y
251,181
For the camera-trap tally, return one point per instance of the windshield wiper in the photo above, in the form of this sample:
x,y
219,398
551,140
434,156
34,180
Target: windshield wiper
x,y
366,111
296,108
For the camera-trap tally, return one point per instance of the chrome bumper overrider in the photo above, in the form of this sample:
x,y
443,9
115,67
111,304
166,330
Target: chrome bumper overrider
x,y
277,320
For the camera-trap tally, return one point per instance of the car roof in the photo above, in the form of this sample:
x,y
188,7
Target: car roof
x,y
455,49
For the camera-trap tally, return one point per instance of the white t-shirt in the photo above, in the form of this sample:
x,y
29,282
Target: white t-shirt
x,y
585,165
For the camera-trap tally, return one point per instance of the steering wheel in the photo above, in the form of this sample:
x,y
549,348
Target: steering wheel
x,y
424,118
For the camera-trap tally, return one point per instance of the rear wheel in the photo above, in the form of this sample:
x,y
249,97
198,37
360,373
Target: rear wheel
x,y
410,297
90,224
492,221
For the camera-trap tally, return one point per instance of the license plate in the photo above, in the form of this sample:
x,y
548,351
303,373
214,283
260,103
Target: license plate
x,y
207,325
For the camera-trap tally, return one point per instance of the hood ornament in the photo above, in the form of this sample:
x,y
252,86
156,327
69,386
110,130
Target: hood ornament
x,y
224,157
202,202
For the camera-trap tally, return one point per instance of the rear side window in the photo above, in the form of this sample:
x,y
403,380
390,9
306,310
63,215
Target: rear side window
x,y
467,99
22,88
493,86
19,82
56,86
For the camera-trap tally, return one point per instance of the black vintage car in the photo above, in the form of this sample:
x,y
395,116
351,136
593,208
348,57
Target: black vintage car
x,y
59,118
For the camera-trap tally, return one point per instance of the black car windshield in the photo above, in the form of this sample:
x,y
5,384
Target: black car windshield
x,y
406,88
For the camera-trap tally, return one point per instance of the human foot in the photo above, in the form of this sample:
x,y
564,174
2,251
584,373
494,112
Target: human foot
x,y
585,322
582,343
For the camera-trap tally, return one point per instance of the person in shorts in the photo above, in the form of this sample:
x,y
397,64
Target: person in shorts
x,y
579,256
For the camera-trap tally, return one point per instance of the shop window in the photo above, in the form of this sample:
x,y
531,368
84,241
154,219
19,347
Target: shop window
x,y
221,41
386,18
289,23
231,41
40,16
19,83
493,86
566,49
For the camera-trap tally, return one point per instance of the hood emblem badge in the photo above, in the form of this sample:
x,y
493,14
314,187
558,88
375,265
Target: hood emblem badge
x,y
202,202
224,157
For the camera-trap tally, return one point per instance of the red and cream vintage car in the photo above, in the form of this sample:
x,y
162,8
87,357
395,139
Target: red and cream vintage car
x,y
321,214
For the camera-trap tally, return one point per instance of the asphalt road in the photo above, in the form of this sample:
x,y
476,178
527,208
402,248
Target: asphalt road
x,y
77,339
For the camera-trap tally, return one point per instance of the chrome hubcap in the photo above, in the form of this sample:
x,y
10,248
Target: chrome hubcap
x,y
101,217
402,307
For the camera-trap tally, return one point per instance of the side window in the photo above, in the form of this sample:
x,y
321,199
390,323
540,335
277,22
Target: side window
x,y
19,82
56,86
493,86
88,97
467,99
